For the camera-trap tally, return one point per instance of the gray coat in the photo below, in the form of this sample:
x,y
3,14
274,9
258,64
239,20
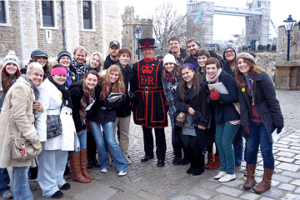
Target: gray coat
x,y
265,103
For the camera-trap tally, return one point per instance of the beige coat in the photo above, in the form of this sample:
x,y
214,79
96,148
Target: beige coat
x,y
16,120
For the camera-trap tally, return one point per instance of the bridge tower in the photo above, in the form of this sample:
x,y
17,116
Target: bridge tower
x,y
203,27
257,27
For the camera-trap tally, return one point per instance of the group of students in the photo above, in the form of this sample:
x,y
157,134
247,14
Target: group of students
x,y
78,94
247,107
200,115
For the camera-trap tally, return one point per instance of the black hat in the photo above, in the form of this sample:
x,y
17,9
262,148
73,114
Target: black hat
x,y
147,43
38,53
114,43
63,53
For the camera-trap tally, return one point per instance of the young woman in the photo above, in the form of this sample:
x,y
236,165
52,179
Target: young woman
x,y
105,114
202,56
9,74
41,57
20,103
82,95
96,62
64,58
260,116
191,99
56,100
226,117
170,78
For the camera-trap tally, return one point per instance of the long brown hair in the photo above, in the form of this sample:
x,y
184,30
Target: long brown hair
x,y
6,79
174,73
253,70
197,80
108,87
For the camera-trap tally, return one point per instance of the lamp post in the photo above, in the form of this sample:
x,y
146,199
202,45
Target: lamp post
x,y
289,25
138,35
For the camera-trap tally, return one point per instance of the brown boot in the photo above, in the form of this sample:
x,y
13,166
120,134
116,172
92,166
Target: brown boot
x,y
250,182
210,160
265,184
83,164
76,169
216,164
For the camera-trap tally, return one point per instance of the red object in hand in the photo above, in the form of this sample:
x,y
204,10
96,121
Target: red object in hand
x,y
247,129
214,95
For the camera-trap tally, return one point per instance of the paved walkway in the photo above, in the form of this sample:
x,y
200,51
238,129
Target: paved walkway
x,y
146,181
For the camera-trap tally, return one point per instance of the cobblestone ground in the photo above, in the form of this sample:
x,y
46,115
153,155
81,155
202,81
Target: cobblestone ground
x,y
146,181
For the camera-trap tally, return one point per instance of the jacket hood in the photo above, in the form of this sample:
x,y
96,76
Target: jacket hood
x,y
75,84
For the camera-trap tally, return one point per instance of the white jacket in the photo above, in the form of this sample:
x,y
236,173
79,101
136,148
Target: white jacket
x,y
51,99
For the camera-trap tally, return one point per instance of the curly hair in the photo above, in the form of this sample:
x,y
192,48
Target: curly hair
x,y
108,87
253,70
198,79
7,80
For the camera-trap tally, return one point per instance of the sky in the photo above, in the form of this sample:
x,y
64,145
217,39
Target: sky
x,y
280,10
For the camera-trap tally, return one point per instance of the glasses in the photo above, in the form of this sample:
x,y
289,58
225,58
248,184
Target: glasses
x,y
229,52
174,43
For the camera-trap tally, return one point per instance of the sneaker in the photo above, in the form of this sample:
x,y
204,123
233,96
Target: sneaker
x,y
57,195
122,173
128,160
220,175
7,195
103,170
227,178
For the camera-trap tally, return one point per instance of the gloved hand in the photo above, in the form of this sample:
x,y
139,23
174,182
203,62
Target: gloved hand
x,y
279,129
37,145
214,95
247,129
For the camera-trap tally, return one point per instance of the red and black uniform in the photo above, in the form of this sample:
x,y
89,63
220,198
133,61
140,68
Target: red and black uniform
x,y
150,105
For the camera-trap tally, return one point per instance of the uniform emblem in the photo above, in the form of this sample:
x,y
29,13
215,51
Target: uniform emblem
x,y
146,69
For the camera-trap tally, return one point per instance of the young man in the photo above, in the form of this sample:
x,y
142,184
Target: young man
x,y
124,112
193,45
78,65
112,58
176,50
149,105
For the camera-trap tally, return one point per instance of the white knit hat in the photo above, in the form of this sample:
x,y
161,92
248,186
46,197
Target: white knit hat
x,y
11,58
169,58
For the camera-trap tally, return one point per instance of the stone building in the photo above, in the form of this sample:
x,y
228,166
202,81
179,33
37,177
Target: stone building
x,y
294,40
57,25
130,23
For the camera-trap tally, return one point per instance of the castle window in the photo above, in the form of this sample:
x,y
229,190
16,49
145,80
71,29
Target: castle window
x,y
2,12
48,13
87,15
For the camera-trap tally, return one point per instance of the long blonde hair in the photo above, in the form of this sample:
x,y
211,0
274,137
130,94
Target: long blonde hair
x,y
108,87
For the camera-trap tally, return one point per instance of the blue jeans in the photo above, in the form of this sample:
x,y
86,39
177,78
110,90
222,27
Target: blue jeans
x,y
224,136
82,141
238,147
4,180
104,139
20,187
259,136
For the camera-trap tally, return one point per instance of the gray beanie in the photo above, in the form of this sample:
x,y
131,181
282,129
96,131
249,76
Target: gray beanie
x,y
195,40
230,46
247,56
169,58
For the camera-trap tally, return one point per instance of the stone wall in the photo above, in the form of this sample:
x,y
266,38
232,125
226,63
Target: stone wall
x,y
294,42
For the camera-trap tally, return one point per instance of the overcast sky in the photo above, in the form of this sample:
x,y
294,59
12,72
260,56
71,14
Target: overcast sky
x,y
280,10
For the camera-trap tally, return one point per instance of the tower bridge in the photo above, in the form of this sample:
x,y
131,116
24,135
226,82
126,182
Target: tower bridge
x,y
256,13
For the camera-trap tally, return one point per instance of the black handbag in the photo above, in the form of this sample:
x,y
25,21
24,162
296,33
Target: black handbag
x,y
54,125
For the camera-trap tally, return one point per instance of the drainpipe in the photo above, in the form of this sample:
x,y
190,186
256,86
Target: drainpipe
x,y
63,24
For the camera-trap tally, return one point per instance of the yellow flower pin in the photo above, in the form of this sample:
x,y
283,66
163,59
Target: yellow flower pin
x,y
73,77
243,89
60,95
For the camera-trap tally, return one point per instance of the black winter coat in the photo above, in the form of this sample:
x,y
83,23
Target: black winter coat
x,y
202,113
265,103
76,93
109,62
125,109
223,107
